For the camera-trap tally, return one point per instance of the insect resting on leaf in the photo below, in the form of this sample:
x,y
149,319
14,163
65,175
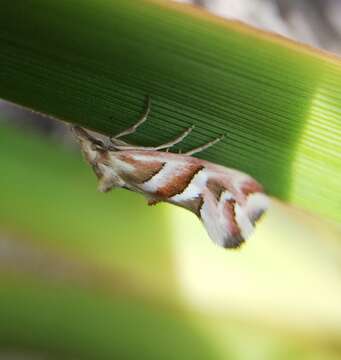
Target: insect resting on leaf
x,y
227,201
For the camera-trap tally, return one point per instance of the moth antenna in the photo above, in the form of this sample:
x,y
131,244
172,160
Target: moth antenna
x,y
139,122
204,147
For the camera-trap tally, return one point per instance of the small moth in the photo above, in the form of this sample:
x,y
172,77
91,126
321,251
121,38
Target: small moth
x,y
227,201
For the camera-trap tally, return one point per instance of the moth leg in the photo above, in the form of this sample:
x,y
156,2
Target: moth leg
x,y
204,147
175,141
139,122
169,144
152,200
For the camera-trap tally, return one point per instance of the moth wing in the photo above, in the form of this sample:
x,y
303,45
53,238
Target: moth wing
x,y
219,219
228,222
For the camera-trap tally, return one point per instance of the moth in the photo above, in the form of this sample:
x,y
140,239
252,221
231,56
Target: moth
x,y
227,201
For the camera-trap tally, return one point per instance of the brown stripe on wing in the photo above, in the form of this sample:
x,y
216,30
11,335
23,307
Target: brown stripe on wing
x,y
144,170
251,186
194,205
216,188
179,182
235,239
152,170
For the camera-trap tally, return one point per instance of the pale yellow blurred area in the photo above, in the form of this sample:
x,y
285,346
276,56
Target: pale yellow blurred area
x,y
287,275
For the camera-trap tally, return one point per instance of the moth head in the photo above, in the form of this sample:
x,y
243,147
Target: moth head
x,y
90,146
96,154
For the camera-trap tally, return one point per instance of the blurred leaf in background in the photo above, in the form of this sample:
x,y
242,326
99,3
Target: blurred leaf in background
x,y
79,267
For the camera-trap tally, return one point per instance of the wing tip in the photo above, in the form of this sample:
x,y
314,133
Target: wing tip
x,y
256,206
246,218
233,242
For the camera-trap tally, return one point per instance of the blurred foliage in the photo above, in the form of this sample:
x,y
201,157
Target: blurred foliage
x,y
79,279
92,281
104,324
49,192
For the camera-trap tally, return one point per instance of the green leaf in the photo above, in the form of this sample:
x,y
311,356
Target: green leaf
x,y
279,103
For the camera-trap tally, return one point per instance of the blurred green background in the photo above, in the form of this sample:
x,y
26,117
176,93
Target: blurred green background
x,y
91,275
